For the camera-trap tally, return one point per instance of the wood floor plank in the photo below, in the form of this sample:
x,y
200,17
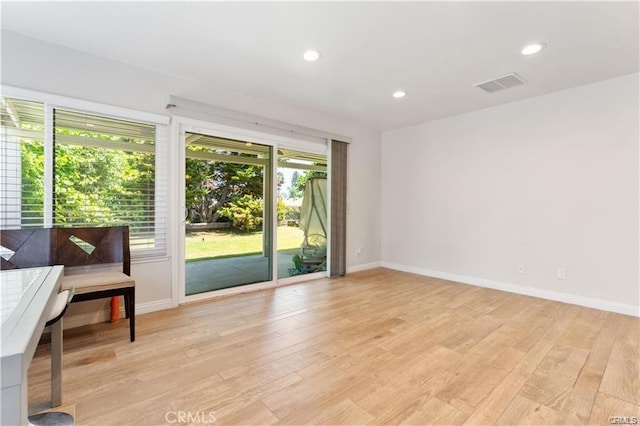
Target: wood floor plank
x,y
345,412
376,347
255,413
523,411
493,406
580,399
622,375
473,382
606,407
556,376
227,397
151,411
395,402
627,328
333,378
601,349
435,412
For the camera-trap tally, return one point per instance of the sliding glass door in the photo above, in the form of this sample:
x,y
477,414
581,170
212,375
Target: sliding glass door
x,y
302,213
228,220
255,210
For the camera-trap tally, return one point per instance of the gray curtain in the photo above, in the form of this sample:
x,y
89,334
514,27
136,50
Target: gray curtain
x,y
338,250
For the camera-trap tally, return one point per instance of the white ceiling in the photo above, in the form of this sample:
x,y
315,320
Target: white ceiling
x,y
433,50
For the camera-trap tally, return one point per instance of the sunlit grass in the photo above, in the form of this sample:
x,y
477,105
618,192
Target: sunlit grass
x,y
220,243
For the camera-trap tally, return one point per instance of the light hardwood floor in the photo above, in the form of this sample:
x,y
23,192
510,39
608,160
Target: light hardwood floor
x,y
375,347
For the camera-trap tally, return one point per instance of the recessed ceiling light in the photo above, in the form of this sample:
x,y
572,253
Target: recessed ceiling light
x,y
311,55
532,48
399,94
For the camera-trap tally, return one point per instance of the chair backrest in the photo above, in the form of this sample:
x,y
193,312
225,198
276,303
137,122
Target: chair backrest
x,y
26,248
92,246
65,246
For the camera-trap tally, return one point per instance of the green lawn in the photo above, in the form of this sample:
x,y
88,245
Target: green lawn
x,y
218,243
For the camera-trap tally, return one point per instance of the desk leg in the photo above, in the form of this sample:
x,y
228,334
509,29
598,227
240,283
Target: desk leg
x,y
14,404
56,363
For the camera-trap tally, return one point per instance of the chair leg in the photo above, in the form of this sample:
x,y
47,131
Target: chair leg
x,y
132,314
126,305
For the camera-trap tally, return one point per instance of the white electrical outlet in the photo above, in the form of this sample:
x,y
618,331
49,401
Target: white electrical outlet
x,y
359,251
562,274
521,269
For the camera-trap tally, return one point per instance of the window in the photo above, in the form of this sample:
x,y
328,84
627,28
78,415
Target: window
x,y
82,170
22,173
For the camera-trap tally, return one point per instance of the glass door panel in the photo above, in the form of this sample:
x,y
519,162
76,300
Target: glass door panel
x,y
302,213
228,193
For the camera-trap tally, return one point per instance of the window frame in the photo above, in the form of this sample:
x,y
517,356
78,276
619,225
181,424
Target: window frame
x,y
161,154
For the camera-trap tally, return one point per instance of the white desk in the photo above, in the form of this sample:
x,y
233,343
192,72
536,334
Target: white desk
x,y
26,297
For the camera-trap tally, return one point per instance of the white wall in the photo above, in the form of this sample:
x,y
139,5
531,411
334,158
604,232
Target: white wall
x,y
549,182
32,64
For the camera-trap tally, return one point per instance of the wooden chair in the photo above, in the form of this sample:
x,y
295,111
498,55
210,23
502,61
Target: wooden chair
x,y
93,246
26,248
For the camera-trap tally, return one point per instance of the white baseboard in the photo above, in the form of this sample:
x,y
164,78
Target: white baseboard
x,y
156,305
77,320
363,267
572,299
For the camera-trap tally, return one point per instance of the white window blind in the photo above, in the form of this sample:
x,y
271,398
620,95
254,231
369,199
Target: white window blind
x,y
22,164
105,171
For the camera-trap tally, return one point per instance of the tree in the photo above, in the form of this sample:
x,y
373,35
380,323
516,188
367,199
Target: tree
x,y
301,182
294,192
280,177
198,186
32,188
97,185
211,185
93,182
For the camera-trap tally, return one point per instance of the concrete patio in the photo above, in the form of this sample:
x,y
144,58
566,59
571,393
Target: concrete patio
x,y
215,274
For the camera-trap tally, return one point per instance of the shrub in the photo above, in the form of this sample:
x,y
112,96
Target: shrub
x,y
282,210
292,213
244,213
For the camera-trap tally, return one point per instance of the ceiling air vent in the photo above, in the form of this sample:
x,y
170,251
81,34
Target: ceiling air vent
x,y
505,82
